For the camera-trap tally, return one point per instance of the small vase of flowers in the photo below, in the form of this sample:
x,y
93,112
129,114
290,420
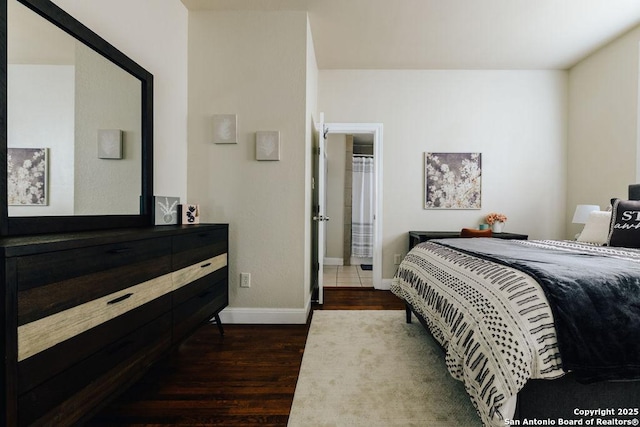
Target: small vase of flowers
x,y
496,221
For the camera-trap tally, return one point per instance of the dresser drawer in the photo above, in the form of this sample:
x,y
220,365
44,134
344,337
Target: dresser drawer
x,y
192,248
52,267
54,360
186,275
53,282
40,400
46,332
210,299
199,286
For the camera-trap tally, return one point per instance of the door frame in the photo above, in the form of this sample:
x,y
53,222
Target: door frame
x,y
374,129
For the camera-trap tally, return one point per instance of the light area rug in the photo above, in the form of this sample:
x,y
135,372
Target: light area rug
x,y
371,368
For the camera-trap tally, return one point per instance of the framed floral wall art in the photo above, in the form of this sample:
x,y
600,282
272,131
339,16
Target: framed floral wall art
x,y
27,176
452,180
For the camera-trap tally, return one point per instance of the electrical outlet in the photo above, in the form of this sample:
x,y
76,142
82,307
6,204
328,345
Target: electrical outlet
x,y
396,259
245,280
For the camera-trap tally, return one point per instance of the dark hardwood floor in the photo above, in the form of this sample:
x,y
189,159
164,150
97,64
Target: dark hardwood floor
x,y
246,378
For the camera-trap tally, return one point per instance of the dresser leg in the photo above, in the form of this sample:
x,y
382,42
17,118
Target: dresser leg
x,y
219,323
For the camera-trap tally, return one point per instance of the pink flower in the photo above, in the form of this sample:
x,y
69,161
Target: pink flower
x,y
495,217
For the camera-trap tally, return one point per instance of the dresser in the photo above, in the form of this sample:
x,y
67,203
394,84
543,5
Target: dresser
x,y
87,313
416,237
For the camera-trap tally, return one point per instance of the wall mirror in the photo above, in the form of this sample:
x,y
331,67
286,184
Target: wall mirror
x,y
77,127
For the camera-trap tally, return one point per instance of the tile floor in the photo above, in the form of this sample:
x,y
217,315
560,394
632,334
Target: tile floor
x,y
347,276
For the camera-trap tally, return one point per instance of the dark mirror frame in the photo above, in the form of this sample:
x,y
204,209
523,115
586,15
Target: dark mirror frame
x,y
14,226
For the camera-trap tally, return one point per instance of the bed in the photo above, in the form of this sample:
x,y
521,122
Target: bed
x,y
543,330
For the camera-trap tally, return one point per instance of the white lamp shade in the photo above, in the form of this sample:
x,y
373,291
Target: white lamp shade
x,y
582,213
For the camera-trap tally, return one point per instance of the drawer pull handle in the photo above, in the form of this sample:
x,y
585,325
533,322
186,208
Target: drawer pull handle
x,y
120,346
119,299
119,250
205,265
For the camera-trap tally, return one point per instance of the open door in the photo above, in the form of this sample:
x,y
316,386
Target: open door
x,y
319,210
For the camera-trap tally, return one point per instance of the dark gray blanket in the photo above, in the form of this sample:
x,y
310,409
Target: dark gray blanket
x,y
595,301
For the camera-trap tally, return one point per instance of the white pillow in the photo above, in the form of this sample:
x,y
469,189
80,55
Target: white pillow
x,y
596,230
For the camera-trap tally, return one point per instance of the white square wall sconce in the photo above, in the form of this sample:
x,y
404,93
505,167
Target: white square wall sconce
x,y
225,129
109,144
268,145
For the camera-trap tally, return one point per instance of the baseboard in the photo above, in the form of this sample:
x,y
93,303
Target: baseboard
x,y
386,284
340,261
358,261
265,316
275,316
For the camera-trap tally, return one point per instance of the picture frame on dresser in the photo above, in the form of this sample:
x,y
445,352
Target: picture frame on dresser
x,y
166,210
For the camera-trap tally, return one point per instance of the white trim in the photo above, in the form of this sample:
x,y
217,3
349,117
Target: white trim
x,y
333,261
265,316
386,284
358,261
376,130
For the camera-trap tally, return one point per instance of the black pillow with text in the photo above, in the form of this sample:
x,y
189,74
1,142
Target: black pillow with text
x,y
624,230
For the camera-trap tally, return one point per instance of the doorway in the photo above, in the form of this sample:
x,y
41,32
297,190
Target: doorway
x,y
365,142
349,200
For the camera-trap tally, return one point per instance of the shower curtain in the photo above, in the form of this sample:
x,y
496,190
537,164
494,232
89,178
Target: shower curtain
x,y
362,208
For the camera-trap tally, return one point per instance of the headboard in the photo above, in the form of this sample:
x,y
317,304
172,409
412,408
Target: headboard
x,y
634,192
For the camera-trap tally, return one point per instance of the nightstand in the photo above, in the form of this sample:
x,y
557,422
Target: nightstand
x,y
416,237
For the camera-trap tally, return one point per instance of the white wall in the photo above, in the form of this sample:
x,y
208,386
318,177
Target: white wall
x,y
255,65
154,34
516,119
106,98
603,125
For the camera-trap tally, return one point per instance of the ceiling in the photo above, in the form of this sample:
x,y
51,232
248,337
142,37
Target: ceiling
x,y
452,34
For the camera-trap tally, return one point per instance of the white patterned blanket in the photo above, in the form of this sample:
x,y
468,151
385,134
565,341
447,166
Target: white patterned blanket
x,y
493,321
